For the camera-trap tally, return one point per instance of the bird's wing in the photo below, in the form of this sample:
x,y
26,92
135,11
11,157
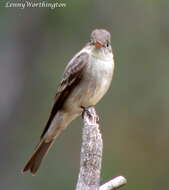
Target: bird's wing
x,y
72,76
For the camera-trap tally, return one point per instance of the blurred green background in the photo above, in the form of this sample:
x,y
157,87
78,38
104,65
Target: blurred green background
x,y
36,45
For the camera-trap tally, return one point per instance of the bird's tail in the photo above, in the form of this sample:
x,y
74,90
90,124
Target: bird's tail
x,y
36,158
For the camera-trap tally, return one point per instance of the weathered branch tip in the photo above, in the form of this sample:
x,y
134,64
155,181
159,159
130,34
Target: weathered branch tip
x,y
91,156
114,184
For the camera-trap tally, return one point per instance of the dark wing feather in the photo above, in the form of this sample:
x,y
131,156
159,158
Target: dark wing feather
x,y
72,76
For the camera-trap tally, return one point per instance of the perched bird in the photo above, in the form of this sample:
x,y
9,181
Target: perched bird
x,y
86,79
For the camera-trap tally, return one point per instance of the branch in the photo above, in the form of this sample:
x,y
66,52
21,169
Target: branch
x,y
91,156
91,153
114,183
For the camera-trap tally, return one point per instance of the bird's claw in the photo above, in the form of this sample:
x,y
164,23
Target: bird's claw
x,y
90,115
85,110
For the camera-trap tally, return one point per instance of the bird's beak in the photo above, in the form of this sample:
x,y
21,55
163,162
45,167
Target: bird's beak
x,y
98,44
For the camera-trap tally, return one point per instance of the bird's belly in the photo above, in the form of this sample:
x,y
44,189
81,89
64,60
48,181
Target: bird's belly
x,y
97,84
93,86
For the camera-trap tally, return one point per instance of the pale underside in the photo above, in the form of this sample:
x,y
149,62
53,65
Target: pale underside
x,y
97,78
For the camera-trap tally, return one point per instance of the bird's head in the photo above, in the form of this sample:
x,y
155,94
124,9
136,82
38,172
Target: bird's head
x,y
100,38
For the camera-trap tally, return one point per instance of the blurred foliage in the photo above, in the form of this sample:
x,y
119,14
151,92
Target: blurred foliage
x,y
36,45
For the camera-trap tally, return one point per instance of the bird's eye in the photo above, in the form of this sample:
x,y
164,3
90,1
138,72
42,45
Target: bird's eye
x,y
107,44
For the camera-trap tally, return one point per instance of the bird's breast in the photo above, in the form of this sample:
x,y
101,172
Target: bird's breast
x,y
97,80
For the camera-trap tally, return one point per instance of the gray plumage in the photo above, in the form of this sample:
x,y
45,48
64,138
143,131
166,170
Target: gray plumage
x,y
86,79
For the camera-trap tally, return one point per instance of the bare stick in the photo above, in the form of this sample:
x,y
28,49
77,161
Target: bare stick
x,y
91,157
114,183
91,153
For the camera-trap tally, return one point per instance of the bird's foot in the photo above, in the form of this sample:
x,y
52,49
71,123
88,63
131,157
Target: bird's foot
x,y
90,115
86,110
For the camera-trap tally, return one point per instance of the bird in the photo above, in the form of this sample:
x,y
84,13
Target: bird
x,y
86,79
